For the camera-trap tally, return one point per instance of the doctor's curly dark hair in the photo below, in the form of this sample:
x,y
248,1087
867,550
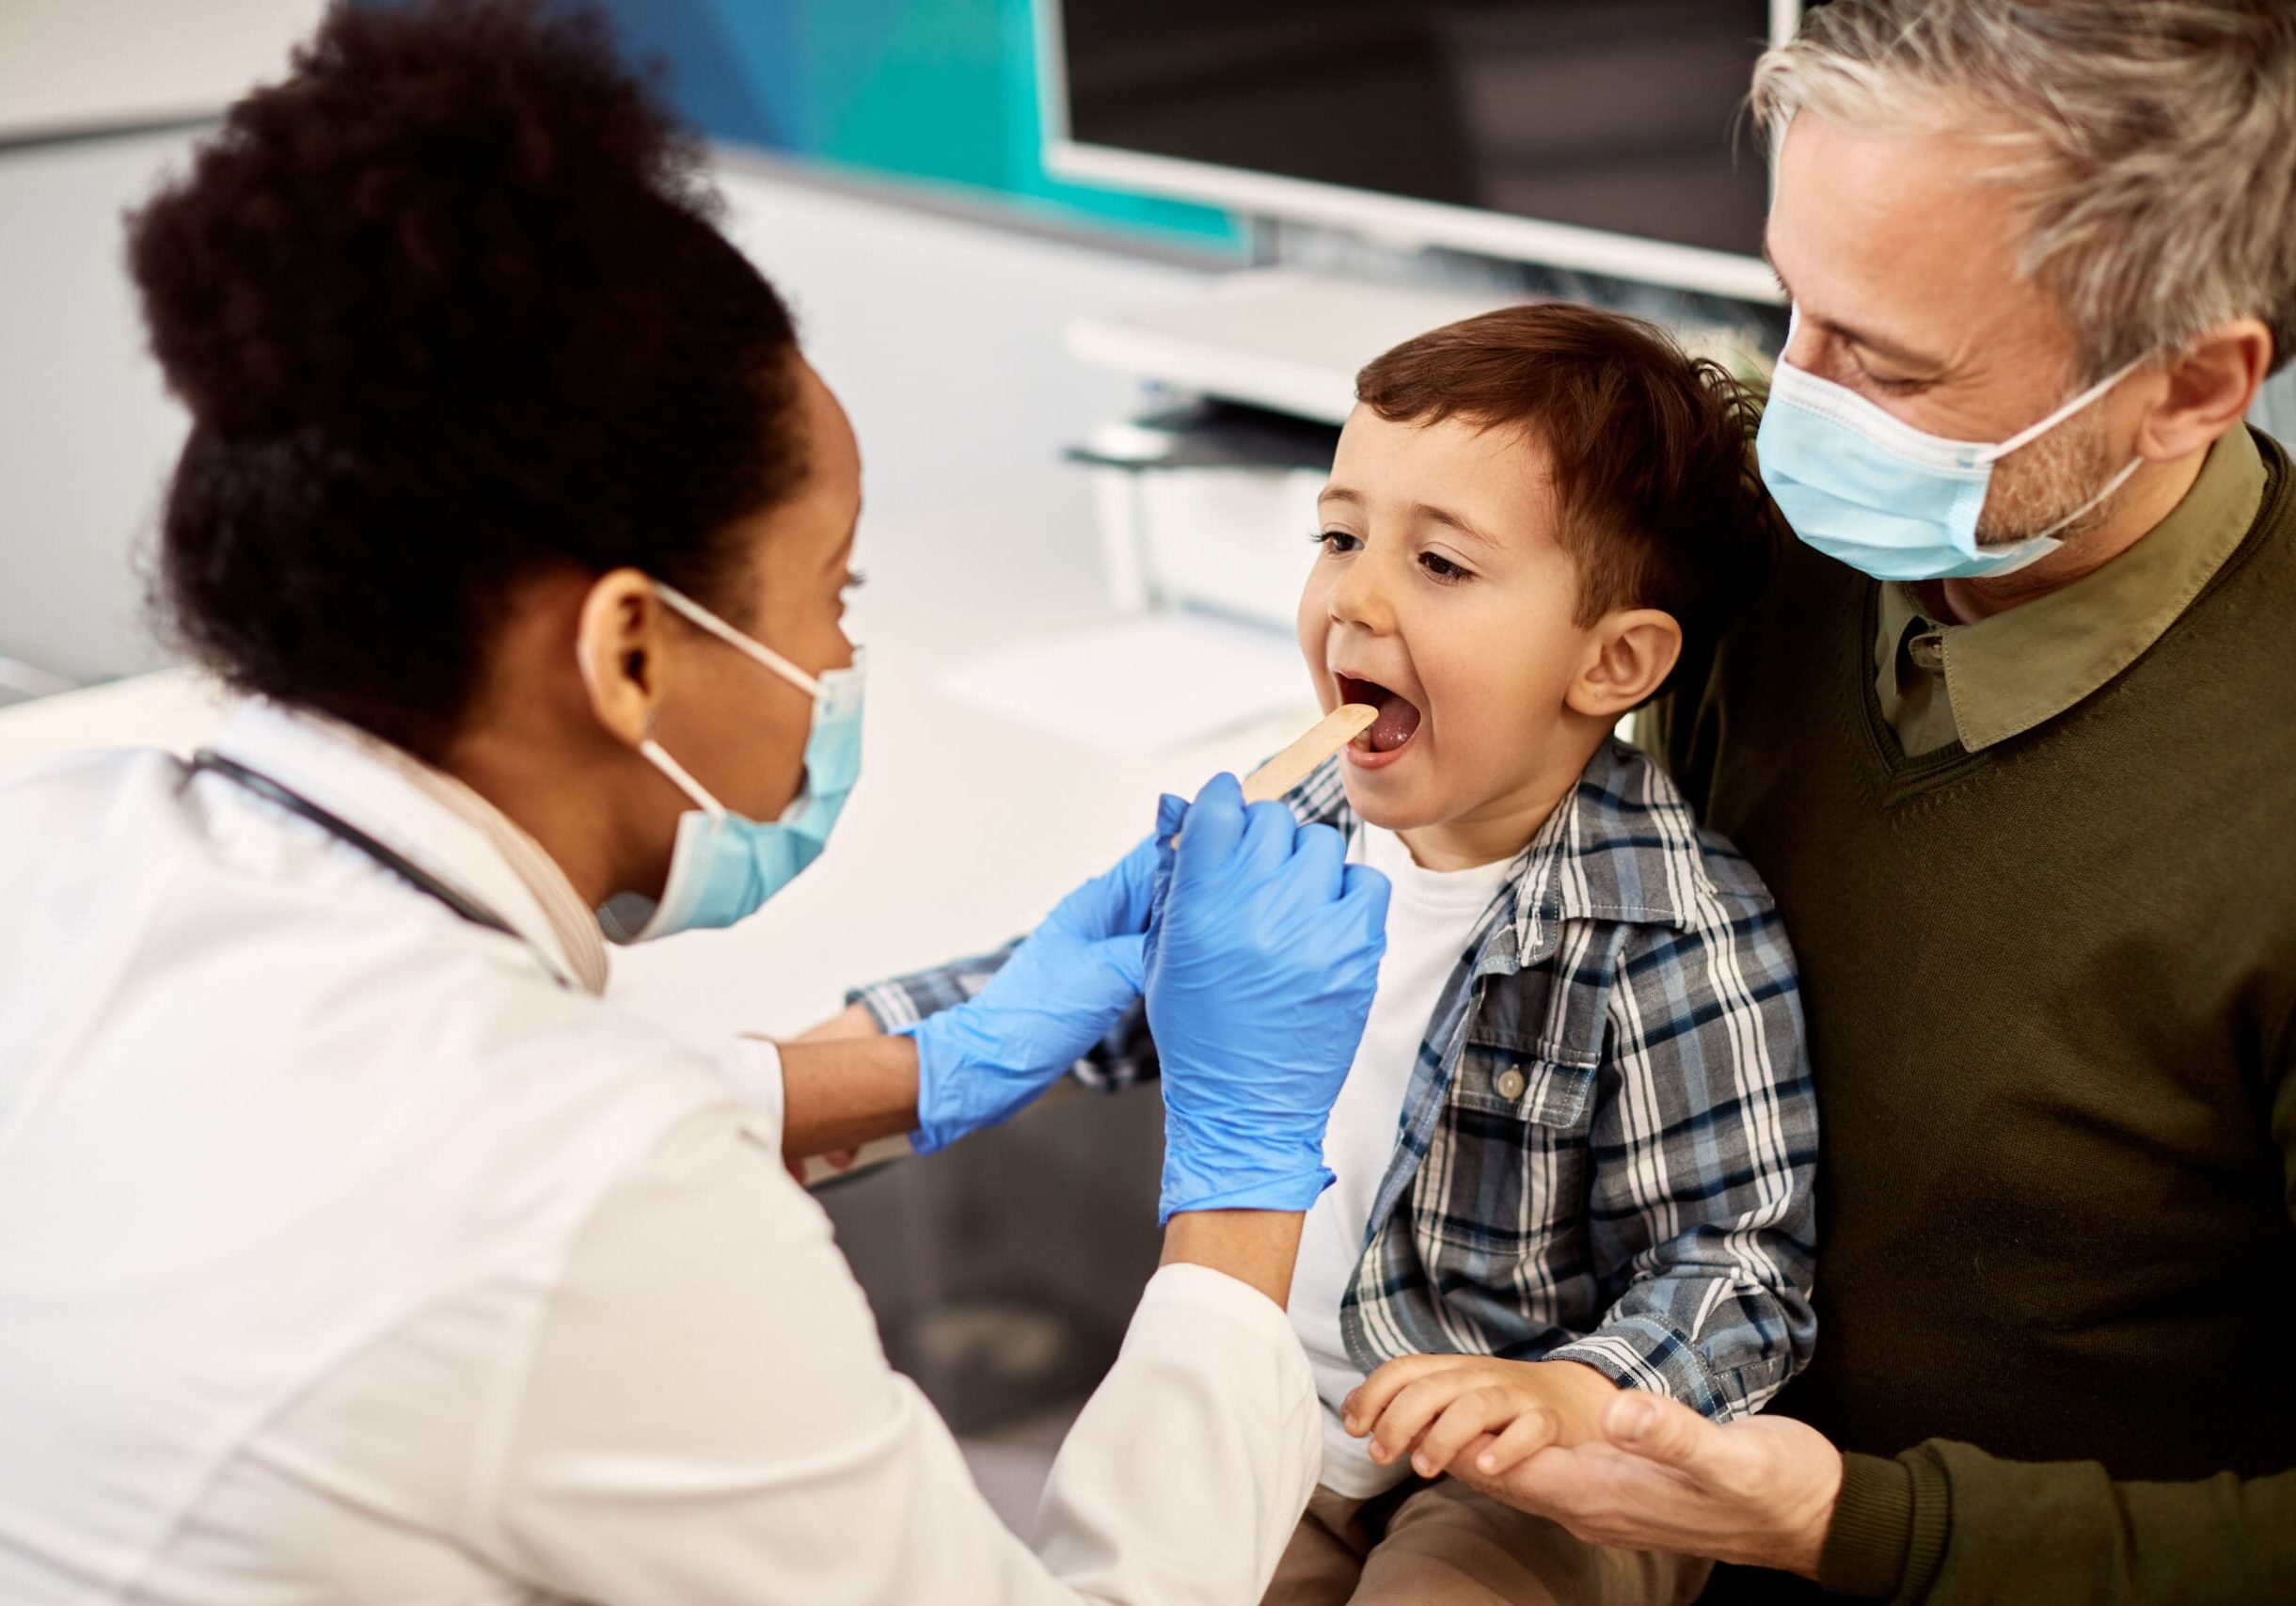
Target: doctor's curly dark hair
x,y
449,307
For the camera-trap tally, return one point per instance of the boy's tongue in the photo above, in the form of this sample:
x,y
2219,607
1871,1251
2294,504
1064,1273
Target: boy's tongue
x,y
1397,720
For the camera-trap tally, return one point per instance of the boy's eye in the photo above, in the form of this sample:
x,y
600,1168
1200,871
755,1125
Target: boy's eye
x,y
1336,541
1443,568
854,581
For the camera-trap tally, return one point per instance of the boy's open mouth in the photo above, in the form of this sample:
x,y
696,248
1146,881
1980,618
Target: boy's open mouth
x,y
1399,718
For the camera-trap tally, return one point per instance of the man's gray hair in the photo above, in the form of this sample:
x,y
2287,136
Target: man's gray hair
x,y
2154,139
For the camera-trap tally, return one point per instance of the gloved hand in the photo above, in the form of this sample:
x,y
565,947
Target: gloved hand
x,y
1261,962
1057,994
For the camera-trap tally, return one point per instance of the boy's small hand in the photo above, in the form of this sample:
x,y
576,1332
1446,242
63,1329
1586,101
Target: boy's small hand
x,y
1433,1406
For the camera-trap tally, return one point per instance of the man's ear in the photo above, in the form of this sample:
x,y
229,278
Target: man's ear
x,y
1631,653
2211,384
618,645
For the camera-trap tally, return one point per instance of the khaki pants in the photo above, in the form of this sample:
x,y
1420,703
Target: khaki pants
x,y
1444,1545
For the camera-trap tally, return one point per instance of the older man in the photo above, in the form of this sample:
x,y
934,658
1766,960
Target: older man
x,y
2014,742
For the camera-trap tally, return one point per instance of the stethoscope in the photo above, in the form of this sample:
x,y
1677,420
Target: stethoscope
x,y
208,761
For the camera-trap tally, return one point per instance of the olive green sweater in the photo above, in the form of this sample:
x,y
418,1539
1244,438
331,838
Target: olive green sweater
x,y
2051,999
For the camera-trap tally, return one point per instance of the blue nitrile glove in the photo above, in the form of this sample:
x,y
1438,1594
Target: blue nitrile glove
x,y
1261,962
1057,994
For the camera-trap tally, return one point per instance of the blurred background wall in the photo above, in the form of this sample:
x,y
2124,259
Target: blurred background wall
x,y
917,119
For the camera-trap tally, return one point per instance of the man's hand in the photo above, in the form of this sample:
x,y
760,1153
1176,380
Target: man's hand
x,y
1759,1491
1434,1407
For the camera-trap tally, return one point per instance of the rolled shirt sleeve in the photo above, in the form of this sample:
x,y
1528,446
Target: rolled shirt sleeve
x,y
707,1415
1711,1115
1125,1057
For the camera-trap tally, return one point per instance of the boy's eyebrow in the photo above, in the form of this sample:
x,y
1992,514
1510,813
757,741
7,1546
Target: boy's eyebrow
x,y
1443,516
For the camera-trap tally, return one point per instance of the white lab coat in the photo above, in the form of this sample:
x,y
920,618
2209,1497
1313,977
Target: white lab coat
x,y
349,1253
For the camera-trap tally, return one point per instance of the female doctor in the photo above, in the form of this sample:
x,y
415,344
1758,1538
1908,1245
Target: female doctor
x,y
352,1248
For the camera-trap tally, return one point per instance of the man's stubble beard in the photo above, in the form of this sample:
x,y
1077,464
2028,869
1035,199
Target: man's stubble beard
x,y
2038,485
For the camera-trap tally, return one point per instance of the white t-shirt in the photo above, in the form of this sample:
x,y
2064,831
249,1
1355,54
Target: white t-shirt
x,y
1429,921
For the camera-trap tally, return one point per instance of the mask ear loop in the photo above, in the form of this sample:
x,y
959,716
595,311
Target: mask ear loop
x,y
2087,398
2026,437
2115,484
659,757
702,617
654,753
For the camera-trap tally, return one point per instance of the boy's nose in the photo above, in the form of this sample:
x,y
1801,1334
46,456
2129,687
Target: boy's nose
x,y
1359,599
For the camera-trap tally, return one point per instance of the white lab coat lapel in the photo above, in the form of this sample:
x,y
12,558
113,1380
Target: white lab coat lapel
x,y
330,768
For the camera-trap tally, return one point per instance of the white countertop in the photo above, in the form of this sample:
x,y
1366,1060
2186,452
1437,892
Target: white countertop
x,y
965,829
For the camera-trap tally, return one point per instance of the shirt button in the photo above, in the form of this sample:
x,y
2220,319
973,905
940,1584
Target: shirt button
x,y
1927,651
1509,1084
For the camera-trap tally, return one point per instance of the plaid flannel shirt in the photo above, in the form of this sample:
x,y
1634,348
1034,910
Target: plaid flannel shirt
x,y
1607,1147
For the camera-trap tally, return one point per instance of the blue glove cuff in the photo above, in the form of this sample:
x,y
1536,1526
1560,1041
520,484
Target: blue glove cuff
x,y
1232,1191
942,1118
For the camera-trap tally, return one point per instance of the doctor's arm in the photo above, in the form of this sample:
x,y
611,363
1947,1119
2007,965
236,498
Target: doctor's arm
x,y
949,1052
709,1416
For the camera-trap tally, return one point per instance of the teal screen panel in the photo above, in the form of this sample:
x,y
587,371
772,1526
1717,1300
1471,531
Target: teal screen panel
x,y
938,92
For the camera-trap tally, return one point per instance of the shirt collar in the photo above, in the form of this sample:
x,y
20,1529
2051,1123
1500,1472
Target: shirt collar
x,y
432,818
1623,848
2006,673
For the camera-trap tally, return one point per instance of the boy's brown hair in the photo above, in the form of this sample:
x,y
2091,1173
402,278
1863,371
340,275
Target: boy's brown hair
x,y
1656,491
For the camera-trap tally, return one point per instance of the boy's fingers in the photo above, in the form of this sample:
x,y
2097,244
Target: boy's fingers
x,y
1525,1436
1467,1417
1362,1408
1408,1414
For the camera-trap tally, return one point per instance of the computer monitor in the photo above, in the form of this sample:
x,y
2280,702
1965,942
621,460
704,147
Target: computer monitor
x,y
1601,135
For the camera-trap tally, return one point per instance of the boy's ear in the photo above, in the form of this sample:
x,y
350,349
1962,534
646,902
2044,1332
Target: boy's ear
x,y
1631,652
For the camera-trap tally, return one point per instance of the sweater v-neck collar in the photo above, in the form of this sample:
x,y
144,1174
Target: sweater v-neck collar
x,y
1902,774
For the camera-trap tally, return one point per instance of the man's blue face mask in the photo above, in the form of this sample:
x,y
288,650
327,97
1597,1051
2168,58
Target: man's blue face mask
x,y
1883,497
724,866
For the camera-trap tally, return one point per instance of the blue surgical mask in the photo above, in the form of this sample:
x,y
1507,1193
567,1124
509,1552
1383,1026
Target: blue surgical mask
x,y
1887,499
724,866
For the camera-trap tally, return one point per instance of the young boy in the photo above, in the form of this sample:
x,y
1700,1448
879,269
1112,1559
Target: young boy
x,y
1580,1132
1574,1150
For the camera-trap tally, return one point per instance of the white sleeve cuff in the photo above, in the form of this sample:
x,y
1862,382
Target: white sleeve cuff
x,y
751,1066
1182,1480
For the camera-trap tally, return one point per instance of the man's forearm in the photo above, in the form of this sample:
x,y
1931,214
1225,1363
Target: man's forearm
x,y
1946,1522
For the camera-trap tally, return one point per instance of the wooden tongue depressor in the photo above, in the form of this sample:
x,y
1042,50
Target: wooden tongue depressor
x,y
1302,759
